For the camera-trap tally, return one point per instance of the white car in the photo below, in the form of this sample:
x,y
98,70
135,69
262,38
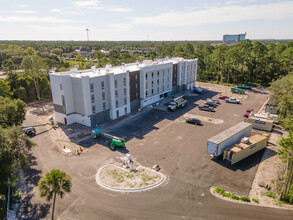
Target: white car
x,y
232,100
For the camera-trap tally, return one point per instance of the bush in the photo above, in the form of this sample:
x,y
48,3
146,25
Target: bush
x,y
219,191
255,200
271,194
227,195
245,199
233,196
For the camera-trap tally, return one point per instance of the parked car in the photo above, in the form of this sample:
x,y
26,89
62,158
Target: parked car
x,y
194,121
223,97
29,131
232,100
210,103
206,108
248,112
215,101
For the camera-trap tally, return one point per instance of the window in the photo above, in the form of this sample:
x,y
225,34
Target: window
x,y
125,109
136,86
61,87
93,98
158,90
103,85
152,91
116,83
125,101
63,100
158,81
163,80
146,93
94,109
168,79
146,85
104,106
152,83
152,75
158,73
175,68
124,91
92,87
163,72
136,94
117,104
103,95
146,76
117,113
168,71
136,76
116,94
124,81
163,88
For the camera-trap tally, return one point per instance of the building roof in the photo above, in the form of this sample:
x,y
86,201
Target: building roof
x,y
120,69
252,140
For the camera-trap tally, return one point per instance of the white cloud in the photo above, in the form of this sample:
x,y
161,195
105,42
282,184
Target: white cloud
x,y
56,11
21,6
89,3
118,9
33,19
20,12
217,15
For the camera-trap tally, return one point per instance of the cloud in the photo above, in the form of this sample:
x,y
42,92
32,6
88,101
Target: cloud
x,y
21,6
217,15
56,11
89,3
33,19
20,12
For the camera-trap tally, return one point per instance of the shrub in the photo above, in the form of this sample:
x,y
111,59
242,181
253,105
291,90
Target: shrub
x,y
255,200
233,196
244,199
270,194
227,195
220,190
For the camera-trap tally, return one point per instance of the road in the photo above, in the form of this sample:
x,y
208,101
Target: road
x,y
179,148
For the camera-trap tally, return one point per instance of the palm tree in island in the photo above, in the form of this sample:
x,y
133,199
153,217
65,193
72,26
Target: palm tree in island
x,y
54,183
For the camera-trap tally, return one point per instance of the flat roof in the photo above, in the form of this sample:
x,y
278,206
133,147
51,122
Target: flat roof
x,y
219,138
252,140
261,119
120,69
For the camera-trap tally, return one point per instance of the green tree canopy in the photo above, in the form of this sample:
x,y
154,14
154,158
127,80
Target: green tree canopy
x,y
4,89
12,112
54,183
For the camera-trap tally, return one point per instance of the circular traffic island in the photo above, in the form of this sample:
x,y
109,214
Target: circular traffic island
x,y
116,178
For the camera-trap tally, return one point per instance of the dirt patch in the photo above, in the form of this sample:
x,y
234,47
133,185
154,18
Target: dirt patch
x,y
116,177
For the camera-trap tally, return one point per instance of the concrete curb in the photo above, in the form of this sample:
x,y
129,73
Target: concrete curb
x,y
128,190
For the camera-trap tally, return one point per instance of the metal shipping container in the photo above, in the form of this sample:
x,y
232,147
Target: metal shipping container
x,y
260,123
242,150
217,144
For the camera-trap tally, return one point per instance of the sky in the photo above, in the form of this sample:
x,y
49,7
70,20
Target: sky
x,y
144,19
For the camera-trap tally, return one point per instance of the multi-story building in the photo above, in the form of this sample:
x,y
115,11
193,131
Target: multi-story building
x,y
92,96
233,38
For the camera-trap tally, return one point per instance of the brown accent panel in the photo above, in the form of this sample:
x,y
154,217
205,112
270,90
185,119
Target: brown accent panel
x,y
134,79
175,68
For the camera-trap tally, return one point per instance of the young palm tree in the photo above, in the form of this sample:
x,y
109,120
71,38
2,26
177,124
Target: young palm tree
x,y
55,182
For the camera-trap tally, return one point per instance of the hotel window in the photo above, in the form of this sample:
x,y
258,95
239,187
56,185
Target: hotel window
x,y
117,104
136,86
146,76
158,81
124,81
61,88
92,87
152,74
136,78
93,98
163,72
152,83
125,101
146,93
158,90
103,95
116,94
152,91
104,106
136,94
124,91
103,85
125,110
116,83
94,109
158,73
146,85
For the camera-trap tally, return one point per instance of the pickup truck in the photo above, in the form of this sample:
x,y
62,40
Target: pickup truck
x,y
206,108
179,103
232,100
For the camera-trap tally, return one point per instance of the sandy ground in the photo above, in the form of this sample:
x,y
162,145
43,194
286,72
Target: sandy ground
x,y
122,179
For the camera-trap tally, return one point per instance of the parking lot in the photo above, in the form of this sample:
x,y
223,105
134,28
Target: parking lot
x,y
155,137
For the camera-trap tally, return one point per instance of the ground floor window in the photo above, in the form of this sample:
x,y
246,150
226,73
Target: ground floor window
x,y
125,110
117,113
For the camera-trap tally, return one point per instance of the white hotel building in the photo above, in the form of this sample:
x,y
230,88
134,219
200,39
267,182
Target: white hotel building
x,y
92,96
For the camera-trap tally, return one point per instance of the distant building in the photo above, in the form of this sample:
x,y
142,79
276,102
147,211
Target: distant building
x,y
233,38
92,96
